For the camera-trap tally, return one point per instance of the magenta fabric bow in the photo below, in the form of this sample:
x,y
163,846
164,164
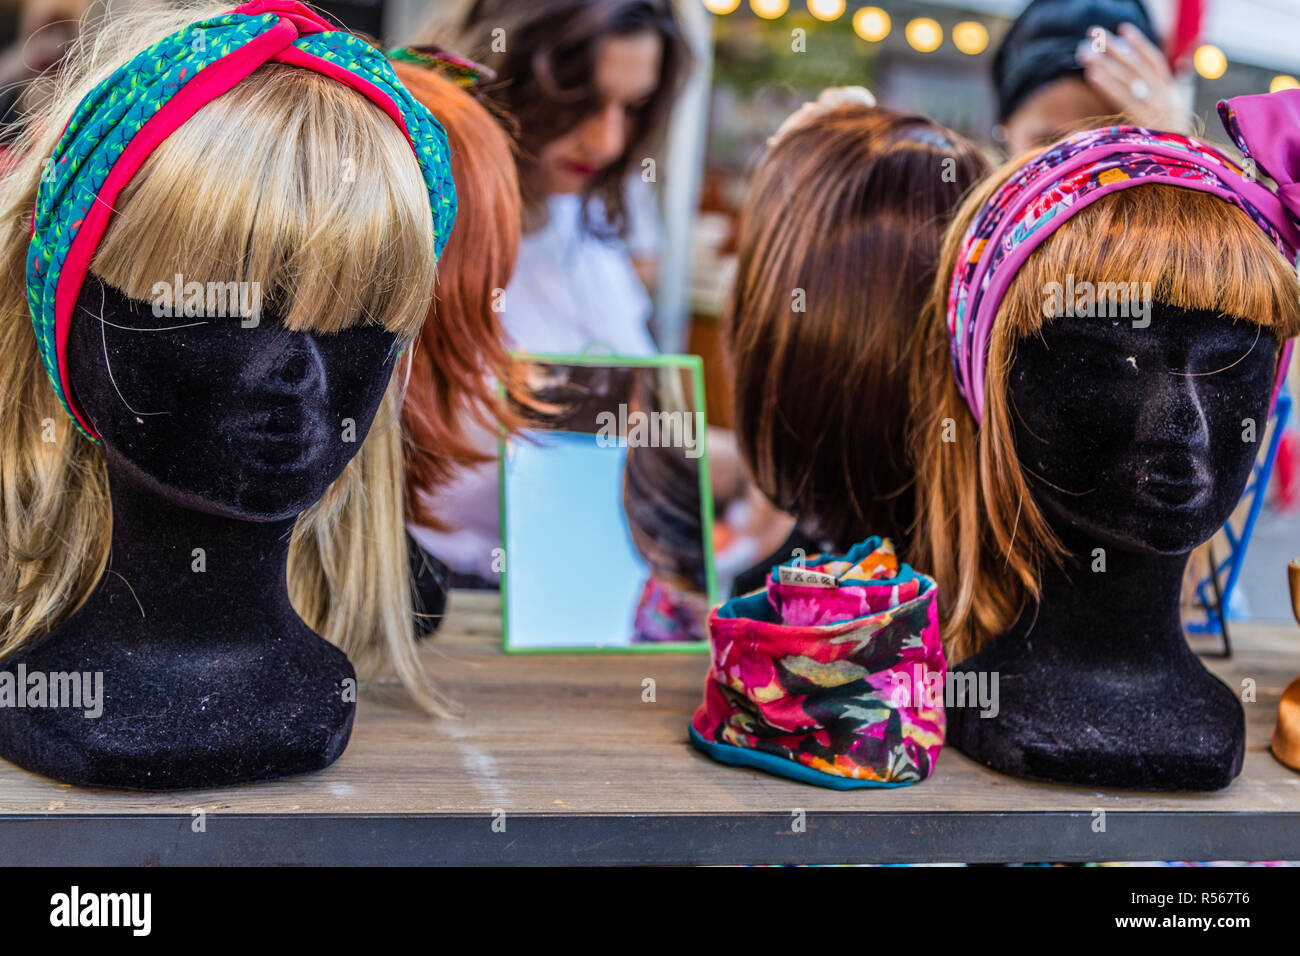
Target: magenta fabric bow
x,y
1265,128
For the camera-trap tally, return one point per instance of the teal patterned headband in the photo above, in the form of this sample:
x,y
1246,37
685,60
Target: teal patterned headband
x,y
123,119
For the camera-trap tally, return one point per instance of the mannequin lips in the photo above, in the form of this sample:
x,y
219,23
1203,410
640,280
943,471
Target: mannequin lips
x,y
287,437
1173,486
1177,493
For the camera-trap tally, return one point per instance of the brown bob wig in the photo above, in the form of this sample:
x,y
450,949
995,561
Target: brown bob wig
x,y
461,350
838,242
980,533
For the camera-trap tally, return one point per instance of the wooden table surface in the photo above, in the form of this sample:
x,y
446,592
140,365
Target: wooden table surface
x,y
559,759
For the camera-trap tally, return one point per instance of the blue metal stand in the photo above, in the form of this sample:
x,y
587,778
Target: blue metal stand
x,y
1214,591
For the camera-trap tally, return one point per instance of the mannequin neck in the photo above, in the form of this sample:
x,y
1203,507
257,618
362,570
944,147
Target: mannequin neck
x,y
1128,613
189,567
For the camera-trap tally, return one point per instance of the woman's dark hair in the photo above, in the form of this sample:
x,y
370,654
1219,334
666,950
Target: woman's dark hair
x,y
544,53
838,245
661,489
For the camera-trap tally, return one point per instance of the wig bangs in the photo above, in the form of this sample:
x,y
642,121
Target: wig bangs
x,y
315,211
1157,243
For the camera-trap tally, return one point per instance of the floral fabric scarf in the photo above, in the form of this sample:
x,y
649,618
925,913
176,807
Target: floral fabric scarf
x,y
833,675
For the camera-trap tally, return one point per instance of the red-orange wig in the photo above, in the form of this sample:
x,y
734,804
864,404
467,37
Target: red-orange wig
x,y
460,355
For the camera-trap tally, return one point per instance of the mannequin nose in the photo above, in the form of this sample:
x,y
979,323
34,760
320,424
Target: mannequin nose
x,y
295,366
1177,414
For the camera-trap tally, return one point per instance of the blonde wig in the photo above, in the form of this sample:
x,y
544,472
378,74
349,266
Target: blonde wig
x,y
328,257
978,530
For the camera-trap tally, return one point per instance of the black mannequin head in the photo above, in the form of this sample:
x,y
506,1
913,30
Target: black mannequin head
x,y
1149,448
1130,369
230,556
1131,356
1135,443
238,418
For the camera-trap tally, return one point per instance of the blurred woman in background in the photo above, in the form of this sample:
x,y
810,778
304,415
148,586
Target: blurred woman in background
x,y
589,85
1067,65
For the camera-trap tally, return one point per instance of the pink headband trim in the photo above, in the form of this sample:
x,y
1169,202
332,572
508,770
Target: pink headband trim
x,y
1032,205
1010,266
221,76
273,46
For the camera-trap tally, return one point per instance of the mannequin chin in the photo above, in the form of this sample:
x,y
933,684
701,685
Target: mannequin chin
x,y
1136,444
216,436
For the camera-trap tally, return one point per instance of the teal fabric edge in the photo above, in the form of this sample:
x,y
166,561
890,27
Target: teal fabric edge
x,y
783,767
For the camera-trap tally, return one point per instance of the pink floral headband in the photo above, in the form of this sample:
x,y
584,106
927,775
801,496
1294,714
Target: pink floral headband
x,y
1079,170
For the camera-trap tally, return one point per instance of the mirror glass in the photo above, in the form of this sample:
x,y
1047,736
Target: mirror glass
x,y
606,514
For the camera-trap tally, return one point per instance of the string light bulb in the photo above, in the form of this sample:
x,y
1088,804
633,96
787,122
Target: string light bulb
x,y
872,24
970,37
769,9
1210,61
924,34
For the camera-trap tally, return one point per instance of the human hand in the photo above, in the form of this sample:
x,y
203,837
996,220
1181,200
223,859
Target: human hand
x,y
1130,73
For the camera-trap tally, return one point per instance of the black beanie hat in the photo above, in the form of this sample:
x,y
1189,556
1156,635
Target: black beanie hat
x,y
1039,48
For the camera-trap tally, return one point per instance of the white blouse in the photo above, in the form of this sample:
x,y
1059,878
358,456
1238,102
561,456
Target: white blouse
x,y
572,290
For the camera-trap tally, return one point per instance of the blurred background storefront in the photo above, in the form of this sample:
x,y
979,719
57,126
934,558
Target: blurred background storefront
x,y
757,60
769,56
